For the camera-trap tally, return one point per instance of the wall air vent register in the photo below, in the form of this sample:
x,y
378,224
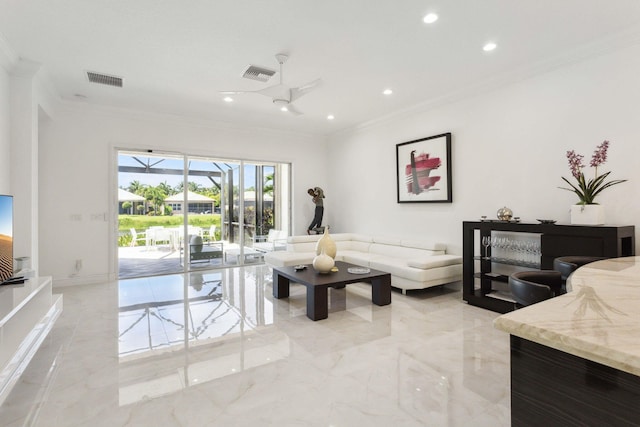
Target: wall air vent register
x,y
260,74
104,79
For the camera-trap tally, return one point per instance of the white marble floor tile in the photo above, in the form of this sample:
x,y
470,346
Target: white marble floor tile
x,y
216,349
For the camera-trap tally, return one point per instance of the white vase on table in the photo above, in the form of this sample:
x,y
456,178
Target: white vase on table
x,y
326,243
323,263
587,215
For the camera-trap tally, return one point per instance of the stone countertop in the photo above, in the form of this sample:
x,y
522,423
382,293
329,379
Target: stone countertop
x,y
598,319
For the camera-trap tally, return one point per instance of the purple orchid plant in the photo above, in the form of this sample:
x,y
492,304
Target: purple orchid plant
x,y
588,190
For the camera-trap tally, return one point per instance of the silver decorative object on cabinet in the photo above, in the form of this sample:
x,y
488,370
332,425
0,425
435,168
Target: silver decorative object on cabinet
x,y
505,214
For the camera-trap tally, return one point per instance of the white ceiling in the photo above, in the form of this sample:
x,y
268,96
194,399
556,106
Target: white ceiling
x,y
175,56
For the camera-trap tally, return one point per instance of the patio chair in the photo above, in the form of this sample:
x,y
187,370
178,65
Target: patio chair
x,y
150,234
210,234
276,240
162,235
136,237
194,231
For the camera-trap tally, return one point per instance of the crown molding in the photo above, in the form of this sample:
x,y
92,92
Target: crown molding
x,y
20,67
48,96
25,68
8,57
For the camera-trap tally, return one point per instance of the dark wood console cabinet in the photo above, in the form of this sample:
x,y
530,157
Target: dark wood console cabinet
x,y
555,240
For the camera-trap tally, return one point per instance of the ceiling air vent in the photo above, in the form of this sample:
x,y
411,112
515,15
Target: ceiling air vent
x,y
261,74
104,79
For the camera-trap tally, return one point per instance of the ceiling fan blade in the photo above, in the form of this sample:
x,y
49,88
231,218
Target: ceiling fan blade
x,y
297,92
278,91
293,110
311,85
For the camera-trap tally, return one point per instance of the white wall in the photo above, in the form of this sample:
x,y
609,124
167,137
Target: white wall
x,y
77,174
5,154
509,149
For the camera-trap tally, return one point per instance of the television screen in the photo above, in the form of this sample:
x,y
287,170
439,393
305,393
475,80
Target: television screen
x,y
6,237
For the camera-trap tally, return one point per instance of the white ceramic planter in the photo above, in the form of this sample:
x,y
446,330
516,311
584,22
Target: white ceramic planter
x,y
587,215
323,263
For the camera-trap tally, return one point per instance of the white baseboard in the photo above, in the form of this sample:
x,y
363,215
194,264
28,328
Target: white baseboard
x,y
81,280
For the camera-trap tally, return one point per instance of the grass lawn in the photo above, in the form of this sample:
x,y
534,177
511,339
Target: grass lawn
x,y
142,222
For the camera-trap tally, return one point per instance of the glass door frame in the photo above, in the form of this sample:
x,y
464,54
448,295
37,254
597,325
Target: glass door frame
x,y
282,216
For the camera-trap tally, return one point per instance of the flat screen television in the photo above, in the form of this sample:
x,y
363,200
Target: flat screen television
x,y
6,237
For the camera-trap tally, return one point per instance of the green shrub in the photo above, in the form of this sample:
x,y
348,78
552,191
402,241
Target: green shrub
x,y
142,222
124,239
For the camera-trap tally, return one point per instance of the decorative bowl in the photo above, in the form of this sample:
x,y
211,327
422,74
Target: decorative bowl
x,y
358,270
546,221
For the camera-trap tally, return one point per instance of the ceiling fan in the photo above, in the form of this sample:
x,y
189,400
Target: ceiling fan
x,y
282,95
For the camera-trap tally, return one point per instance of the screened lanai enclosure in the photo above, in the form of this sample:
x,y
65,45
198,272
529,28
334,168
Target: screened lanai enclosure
x,y
181,213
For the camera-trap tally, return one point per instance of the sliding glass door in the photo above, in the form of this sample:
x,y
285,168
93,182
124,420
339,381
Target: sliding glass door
x,y
179,213
251,206
149,232
205,181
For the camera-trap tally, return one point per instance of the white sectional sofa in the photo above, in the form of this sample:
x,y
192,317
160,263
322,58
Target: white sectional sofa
x,y
412,264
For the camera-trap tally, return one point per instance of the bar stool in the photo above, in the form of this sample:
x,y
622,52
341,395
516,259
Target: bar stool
x,y
530,287
568,264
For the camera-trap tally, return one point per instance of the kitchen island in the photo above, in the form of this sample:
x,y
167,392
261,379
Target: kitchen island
x,y
575,359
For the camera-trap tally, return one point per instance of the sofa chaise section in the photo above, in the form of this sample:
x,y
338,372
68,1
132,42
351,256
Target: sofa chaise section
x,y
412,264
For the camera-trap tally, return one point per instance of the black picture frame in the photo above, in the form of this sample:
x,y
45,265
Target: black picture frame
x,y
417,160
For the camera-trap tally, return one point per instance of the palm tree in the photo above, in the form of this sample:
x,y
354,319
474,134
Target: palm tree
x,y
212,193
268,184
156,196
166,188
135,187
194,187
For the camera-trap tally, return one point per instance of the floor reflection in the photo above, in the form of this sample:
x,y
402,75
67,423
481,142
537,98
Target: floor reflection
x,y
214,348
177,321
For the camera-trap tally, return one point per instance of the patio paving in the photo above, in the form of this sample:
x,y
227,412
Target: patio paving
x,y
142,261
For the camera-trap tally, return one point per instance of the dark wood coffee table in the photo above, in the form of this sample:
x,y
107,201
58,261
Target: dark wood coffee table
x,y
318,285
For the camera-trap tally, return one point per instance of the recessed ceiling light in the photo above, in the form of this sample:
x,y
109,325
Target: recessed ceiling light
x,y
489,47
284,109
330,117
387,91
430,18
228,99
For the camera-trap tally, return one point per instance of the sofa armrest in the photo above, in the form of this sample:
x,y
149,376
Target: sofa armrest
x,y
434,261
280,244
